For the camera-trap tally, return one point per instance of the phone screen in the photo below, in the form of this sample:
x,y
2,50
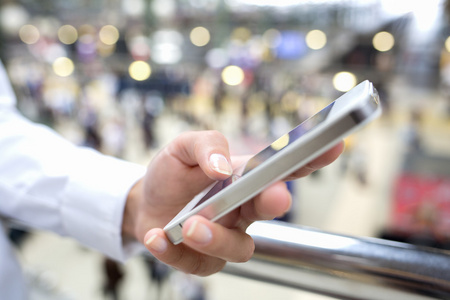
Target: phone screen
x,y
277,146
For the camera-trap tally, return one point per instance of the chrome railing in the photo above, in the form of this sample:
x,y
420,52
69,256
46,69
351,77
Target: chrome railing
x,y
344,267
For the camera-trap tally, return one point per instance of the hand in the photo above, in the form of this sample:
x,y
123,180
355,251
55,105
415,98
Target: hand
x,y
179,172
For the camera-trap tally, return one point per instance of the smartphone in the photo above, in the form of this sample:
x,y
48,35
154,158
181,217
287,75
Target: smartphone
x,y
288,153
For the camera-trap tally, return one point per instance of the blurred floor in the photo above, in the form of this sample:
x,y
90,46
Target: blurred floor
x,y
341,198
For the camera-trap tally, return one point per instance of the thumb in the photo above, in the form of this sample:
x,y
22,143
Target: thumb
x,y
207,149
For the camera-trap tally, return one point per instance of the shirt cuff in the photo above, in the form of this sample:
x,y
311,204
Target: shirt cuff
x,y
93,205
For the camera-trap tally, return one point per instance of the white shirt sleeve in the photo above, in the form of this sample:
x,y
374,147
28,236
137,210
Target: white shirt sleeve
x,y
48,183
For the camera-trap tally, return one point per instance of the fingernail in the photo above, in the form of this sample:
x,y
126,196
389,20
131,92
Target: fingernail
x,y
156,243
220,164
199,233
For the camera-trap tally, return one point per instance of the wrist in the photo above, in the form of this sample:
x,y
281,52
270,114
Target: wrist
x,y
131,210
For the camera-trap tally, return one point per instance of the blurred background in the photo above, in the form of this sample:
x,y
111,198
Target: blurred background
x,y
127,76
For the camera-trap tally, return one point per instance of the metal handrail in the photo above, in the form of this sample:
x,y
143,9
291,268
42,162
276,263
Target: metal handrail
x,y
344,267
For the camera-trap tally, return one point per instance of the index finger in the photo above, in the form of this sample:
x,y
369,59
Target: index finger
x,y
207,149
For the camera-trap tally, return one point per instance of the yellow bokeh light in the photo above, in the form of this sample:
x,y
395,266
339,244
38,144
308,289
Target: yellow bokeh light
x,y
447,44
109,35
242,34
280,143
140,70
29,34
63,66
383,41
344,81
316,39
233,75
200,36
67,34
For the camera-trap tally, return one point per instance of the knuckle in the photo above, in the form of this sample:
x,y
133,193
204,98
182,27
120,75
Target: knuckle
x,y
247,255
214,135
206,267
197,267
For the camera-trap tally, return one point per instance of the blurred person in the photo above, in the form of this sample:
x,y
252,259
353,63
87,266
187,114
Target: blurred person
x,y
89,121
412,134
113,277
159,274
115,206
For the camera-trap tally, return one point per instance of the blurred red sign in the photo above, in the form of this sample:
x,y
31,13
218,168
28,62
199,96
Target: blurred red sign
x,y
422,206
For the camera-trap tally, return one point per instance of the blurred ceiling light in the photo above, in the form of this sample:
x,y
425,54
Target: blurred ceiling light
x,y
133,8
200,36
29,34
383,41
344,81
109,35
167,54
272,38
426,14
67,34
63,66
139,70
167,36
164,8
166,47
397,7
316,39
12,17
233,75
217,58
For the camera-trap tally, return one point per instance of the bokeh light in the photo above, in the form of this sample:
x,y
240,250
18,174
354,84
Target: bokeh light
x,y
242,34
200,36
316,39
383,41
233,75
166,47
29,34
12,17
140,70
109,35
163,8
67,34
272,38
63,66
447,44
344,81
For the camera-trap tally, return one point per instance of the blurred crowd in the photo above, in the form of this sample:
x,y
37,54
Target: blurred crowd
x,y
127,76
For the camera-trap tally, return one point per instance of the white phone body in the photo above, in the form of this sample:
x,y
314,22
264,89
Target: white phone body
x,y
290,152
